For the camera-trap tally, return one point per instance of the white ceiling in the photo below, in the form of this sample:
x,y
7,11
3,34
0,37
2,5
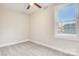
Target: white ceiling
x,y
21,7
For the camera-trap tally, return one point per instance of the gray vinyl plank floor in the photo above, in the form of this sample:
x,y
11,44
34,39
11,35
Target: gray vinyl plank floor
x,y
29,49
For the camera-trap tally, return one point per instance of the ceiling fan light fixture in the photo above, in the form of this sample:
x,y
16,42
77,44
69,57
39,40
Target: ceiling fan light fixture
x,y
36,4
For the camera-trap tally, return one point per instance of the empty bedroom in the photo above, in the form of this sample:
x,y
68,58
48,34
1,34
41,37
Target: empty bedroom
x,y
39,29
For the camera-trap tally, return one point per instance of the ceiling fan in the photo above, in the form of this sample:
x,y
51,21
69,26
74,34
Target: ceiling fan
x,y
36,4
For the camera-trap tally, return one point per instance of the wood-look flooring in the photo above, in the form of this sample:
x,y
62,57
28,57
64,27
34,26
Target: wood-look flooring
x,y
29,49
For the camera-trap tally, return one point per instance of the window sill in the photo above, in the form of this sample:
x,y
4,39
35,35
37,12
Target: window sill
x,y
67,36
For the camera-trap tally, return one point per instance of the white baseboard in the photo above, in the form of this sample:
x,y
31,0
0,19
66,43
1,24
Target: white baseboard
x,y
12,43
55,48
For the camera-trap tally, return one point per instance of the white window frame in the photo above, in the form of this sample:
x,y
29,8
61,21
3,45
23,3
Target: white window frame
x,y
65,36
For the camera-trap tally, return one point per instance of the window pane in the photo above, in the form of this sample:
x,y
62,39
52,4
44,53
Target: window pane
x,y
69,28
66,19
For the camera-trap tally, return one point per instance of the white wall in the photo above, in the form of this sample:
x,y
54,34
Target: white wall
x,y
43,30
14,26
42,25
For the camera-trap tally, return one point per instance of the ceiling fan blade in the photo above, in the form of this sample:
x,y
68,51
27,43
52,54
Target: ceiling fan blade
x,y
37,5
28,7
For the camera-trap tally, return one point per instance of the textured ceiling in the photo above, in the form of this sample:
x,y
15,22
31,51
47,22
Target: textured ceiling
x,y
21,7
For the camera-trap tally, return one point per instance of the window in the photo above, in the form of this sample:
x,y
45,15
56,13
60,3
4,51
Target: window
x,y
65,19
